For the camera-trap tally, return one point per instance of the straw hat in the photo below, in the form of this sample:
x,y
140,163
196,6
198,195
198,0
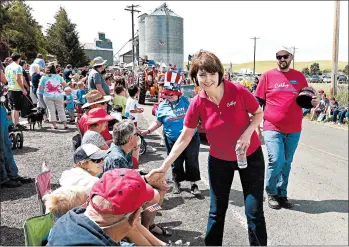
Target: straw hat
x,y
95,97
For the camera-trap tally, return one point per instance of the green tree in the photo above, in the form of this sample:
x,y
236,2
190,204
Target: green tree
x,y
306,71
63,41
315,69
346,69
20,30
326,71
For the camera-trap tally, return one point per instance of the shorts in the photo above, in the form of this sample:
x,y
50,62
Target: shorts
x,y
70,112
79,109
16,100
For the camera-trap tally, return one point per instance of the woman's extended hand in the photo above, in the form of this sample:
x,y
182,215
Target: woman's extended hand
x,y
156,178
244,142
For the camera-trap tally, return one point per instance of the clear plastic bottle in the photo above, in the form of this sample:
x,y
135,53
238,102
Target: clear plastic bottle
x,y
241,157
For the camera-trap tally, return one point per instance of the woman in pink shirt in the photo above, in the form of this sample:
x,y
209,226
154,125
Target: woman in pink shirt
x,y
223,108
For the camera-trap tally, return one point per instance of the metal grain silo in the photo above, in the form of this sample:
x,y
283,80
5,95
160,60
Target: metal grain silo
x,y
164,37
141,33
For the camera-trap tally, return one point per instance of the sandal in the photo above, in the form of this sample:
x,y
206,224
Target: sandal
x,y
164,232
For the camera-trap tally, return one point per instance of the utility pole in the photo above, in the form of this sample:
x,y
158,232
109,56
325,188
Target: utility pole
x,y
335,48
254,55
293,48
132,10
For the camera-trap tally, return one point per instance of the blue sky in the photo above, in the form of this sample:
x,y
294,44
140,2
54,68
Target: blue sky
x,y
224,28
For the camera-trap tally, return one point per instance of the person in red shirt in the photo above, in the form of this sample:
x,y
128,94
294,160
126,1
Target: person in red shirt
x,y
277,92
223,109
94,100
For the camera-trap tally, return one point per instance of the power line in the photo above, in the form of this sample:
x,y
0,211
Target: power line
x,y
254,54
132,10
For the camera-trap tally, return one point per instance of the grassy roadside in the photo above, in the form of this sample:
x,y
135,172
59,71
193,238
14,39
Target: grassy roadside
x,y
342,92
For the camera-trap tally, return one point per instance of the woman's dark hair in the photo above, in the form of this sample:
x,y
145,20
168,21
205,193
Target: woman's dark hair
x,y
205,60
120,81
50,69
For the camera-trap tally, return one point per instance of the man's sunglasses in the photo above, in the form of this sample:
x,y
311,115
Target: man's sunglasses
x,y
97,161
282,56
168,94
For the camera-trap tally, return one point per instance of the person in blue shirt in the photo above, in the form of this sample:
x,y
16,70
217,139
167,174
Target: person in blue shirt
x,y
39,60
80,95
69,103
170,114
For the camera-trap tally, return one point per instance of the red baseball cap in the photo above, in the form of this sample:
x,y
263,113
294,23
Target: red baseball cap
x,y
124,188
98,115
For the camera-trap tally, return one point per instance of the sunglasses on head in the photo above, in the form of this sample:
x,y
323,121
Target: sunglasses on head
x,y
279,57
97,161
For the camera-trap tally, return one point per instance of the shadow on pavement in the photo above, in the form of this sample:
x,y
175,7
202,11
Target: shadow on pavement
x,y
11,194
172,202
195,238
24,150
170,224
319,207
11,236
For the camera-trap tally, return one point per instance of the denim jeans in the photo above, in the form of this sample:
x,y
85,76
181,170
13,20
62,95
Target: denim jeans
x,y
8,167
221,174
190,156
343,114
281,148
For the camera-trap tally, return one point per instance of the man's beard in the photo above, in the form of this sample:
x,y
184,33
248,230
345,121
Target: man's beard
x,y
284,65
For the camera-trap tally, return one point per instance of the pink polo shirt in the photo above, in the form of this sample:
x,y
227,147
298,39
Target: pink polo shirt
x,y
226,122
280,90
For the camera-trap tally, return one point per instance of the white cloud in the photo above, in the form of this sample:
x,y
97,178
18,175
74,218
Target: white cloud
x,y
222,27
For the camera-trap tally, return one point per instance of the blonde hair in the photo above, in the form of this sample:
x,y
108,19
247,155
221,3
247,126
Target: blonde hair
x,y
63,199
67,89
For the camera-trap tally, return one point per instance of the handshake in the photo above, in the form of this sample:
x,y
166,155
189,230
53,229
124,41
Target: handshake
x,y
156,178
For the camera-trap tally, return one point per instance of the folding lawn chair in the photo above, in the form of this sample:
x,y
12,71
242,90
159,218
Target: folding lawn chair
x,y
42,186
37,228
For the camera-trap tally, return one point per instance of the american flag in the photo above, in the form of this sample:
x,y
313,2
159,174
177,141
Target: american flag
x,y
162,43
153,208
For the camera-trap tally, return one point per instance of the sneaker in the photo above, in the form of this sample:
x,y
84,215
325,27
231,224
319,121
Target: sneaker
x,y
177,188
177,243
283,201
11,184
273,202
23,180
195,190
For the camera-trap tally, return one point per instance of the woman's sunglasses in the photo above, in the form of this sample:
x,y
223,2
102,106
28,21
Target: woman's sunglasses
x,y
97,161
282,56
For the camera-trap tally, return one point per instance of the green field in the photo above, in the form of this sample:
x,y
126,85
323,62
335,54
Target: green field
x,y
262,66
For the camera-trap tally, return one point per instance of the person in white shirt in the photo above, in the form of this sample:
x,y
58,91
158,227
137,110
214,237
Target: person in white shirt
x,y
131,104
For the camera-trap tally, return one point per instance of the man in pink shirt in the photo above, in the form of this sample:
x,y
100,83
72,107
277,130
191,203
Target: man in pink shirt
x,y
277,92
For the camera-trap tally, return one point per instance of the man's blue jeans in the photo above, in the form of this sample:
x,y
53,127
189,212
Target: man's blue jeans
x,y
281,148
8,167
221,174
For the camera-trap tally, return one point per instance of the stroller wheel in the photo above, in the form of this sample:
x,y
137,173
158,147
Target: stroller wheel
x,y
13,140
19,140
143,146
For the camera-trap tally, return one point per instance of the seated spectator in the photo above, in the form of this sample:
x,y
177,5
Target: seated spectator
x,y
113,209
333,105
97,122
88,160
319,112
341,113
125,140
95,100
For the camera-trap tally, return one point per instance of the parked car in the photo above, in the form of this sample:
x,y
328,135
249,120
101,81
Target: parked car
x,y
327,79
307,77
342,79
316,79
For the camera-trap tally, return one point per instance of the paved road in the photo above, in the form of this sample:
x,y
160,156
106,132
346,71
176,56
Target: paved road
x,y
318,188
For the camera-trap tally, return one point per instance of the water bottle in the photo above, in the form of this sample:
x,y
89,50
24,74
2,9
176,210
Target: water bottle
x,y
241,157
